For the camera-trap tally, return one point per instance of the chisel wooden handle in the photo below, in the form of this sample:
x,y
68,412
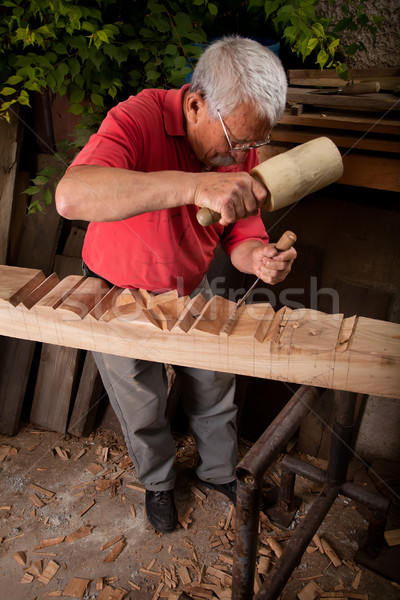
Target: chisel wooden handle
x,y
364,87
206,216
286,241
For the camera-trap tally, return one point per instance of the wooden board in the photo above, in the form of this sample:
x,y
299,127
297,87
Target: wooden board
x,y
342,139
17,357
349,121
369,102
389,78
54,387
302,346
10,134
87,399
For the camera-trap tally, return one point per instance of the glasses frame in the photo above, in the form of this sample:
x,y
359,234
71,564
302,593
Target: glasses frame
x,y
245,147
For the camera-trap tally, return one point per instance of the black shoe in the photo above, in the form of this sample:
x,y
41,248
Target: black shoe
x,y
229,489
161,510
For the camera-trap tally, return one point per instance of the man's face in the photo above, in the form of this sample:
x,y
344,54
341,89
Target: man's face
x,y
213,139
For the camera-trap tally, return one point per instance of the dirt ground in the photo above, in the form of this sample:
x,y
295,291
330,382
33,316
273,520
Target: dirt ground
x,y
71,508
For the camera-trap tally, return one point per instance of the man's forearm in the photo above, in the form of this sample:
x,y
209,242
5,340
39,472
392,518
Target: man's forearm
x,y
242,256
96,193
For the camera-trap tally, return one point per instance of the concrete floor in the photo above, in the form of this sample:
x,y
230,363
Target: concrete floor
x,y
115,509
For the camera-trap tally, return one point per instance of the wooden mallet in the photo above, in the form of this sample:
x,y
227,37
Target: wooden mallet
x,y
292,175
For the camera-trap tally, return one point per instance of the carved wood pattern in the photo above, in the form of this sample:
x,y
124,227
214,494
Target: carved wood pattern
x,y
302,346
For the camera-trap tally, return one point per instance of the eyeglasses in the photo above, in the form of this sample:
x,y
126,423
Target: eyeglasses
x,y
245,147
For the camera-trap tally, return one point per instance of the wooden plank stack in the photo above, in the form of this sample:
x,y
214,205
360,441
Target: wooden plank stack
x,y
365,127
302,346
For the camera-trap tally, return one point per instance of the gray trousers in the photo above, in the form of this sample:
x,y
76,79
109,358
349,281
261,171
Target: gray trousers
x,y
137,390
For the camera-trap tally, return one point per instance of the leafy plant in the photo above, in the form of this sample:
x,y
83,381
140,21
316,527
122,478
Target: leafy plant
x,y
95,49
307,31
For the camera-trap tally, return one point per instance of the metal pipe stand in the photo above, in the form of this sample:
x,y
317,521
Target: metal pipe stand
x,y
249,474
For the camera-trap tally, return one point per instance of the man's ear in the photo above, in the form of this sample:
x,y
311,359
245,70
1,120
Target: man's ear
x,y
194,105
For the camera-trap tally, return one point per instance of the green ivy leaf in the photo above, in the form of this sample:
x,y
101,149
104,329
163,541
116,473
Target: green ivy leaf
x,y
7,91
14,79
96,99
47,198
77,96
76,109
23,98
322,58
31,190
102,35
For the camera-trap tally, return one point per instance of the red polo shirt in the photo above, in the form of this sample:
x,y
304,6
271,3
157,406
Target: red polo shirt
x,y
165,249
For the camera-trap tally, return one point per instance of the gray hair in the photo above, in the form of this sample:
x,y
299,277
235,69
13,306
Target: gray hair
x,y
235,70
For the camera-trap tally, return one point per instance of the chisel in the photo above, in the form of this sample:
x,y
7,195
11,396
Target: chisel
x,y
352,89
285,242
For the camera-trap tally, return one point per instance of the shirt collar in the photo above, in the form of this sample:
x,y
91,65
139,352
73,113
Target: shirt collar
x,y
173,111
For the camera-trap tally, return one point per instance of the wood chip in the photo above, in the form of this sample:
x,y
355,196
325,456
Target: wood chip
x,y
111,542
263,565
76,587
317,542
357,580
275,546
27,578
148,572
35,568
133,511
184,575
185,519
134,486
49,572
230,517
88,507
226,558
331,553
7,451
41,490
36,500
392,537
94,468
109,593
50,542
198,493
309,591
20,558
63,454
134,586
80,454
83,531
115,552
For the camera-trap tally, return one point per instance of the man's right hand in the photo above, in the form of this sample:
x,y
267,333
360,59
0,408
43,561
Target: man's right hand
x,y
233,195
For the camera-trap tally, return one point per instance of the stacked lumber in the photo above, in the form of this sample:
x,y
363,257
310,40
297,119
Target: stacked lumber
x,y
365,127
302,346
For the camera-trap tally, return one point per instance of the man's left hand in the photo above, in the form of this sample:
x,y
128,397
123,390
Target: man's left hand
x,y
270,265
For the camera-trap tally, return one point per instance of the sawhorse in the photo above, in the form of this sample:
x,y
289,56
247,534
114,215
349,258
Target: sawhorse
x,y
249,474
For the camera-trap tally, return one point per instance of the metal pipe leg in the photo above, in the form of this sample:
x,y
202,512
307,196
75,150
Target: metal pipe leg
x,y
249,475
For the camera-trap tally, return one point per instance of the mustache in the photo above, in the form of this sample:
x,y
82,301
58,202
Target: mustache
x,y
222,161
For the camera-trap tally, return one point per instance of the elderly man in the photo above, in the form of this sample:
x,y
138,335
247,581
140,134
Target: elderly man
x,y
157,158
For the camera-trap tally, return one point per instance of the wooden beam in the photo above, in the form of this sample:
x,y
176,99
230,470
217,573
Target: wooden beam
x,y
302,346
370,102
